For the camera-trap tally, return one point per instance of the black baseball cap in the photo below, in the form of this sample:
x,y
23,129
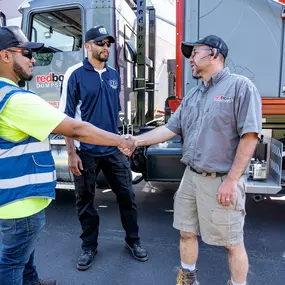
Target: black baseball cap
x,y
98,34
211,41
12,36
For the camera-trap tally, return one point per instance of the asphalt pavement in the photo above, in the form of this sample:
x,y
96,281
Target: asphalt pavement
x,y
59,244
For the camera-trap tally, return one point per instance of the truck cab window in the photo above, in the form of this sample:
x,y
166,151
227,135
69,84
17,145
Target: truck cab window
x,y
59,30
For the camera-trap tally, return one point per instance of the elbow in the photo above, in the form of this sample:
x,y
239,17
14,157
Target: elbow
x,y
76,132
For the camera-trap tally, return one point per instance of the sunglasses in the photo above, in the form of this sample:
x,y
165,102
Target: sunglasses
x,y
102,43
25,52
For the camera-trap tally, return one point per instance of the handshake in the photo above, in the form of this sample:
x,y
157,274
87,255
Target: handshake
x,y
127,144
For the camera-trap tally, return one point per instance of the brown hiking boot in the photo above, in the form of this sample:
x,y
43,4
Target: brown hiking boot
x,y
186,277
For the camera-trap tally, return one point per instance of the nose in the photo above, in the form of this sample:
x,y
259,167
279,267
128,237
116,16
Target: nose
x,y
33,60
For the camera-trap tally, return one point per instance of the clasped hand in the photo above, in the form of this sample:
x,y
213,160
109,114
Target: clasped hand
x,y
128,144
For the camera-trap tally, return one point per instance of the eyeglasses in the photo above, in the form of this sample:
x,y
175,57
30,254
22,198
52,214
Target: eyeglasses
x,y
102,43
25,52
194,51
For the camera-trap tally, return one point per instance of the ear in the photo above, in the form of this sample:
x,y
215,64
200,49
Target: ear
x,y
216,52
87,45
5,56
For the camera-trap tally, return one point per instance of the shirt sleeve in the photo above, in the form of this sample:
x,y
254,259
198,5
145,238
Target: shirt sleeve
x,y
69,96
174,122
31,115
248,109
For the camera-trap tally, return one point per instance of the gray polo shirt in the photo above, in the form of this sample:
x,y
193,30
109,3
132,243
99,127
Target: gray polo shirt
x,y
211,120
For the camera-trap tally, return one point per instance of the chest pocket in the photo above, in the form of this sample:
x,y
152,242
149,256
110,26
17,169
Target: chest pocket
x,y
221,115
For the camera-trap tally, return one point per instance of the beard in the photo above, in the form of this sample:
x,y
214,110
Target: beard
x,y
100,57
21,72
196,73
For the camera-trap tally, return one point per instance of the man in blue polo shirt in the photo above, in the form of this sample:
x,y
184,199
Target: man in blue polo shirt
x,y
90,93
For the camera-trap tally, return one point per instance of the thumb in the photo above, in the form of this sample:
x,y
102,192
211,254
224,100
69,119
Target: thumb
x,y
80,164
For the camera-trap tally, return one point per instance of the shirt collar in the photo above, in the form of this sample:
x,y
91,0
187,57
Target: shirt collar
x,y
214,79
89,66
219,75
8,81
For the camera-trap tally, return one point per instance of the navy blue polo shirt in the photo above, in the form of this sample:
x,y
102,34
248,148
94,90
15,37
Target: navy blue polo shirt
x,y
93,97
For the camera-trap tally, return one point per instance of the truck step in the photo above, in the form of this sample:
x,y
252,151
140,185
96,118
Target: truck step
x,y
65,185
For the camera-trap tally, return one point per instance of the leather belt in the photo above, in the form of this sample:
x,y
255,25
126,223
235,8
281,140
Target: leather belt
x,y
204,174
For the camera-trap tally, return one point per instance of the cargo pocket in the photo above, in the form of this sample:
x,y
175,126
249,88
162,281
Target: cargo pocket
x,y
227,226
86,181
128,172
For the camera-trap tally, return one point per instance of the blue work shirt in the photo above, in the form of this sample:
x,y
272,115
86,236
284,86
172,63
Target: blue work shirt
x,y
92,96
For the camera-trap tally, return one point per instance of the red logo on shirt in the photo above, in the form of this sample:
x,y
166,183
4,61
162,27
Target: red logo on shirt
x,y
222,98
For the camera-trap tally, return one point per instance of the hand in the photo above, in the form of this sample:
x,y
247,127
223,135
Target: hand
x,y
227,192
128,145
75,164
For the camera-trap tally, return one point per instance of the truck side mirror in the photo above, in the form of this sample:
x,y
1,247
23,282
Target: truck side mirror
x,y
2,19
130,52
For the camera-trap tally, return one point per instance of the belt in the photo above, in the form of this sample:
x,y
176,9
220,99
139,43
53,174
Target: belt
x,y
204,174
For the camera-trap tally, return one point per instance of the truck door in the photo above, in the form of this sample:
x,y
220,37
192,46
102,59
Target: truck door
x,y
253,31
60,29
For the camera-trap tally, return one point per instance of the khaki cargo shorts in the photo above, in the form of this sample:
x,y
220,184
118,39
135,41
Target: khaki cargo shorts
x,y
196,210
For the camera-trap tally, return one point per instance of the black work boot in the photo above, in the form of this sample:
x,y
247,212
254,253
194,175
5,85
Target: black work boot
x,y
46,282
186,277
85,259
138,251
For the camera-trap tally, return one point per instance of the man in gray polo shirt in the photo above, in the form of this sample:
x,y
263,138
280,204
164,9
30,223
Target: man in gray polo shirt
x,y
219,121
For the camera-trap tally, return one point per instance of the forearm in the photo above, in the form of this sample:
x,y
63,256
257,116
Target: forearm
x,y
244,153
88,133
160,134
69,145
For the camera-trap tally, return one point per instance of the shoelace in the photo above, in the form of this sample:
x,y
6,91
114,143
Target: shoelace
x,y
184,277
87,252
139,247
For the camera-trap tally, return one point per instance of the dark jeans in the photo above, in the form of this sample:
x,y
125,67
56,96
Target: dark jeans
x,y
19,239
116,169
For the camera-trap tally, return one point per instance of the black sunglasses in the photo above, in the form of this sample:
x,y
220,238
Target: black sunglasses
x,y
102,43
25,52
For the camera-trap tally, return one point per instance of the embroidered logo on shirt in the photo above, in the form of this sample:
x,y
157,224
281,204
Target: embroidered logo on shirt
x,y
222,98
113,84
